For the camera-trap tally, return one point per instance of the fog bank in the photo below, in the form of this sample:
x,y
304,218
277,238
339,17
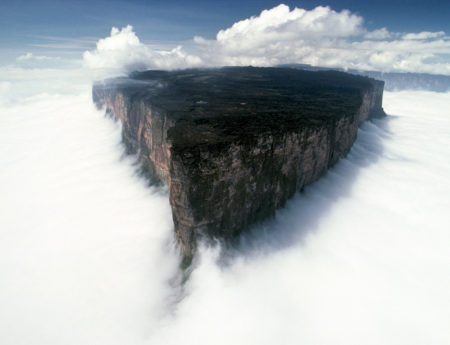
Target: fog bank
x,y
361,257
87,255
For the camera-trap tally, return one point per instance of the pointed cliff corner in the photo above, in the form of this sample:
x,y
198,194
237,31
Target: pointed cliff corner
x,y
234,144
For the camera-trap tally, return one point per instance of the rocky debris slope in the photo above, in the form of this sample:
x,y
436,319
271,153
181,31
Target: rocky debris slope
x,y
234,144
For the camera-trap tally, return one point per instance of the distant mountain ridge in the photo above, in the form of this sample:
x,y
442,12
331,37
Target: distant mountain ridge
x,y
394,81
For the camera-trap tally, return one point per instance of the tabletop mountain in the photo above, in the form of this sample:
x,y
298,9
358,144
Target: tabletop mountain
x,y
234,144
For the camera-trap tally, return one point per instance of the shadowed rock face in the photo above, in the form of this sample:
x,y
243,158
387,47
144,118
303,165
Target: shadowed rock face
x,y
234,144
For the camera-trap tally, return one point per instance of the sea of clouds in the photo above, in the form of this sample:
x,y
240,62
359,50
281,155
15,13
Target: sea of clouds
x,y
87,253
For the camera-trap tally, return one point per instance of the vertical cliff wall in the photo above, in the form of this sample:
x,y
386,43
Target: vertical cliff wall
x,y
230,157
144,127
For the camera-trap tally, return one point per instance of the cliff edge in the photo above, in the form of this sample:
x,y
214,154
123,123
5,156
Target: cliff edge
x,y
234,144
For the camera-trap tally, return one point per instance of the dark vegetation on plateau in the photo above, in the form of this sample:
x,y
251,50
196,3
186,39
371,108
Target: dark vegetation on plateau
x,y
228,104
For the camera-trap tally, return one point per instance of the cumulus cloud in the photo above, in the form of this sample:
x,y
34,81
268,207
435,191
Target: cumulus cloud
x,y
281,22
122,51
320,37
280,35
325,37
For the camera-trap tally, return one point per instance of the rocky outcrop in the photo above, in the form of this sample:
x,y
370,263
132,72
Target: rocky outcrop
x,y
234,144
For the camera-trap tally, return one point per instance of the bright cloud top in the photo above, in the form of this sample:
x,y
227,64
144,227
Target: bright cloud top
x,y
122,51
320,37
280,23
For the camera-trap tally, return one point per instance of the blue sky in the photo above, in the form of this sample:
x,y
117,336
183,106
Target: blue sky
x,y
66,29
25,21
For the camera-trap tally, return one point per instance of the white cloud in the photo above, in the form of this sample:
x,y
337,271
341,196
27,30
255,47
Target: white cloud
x,y
326,38
31,61
321,37
378,34
360,257
280,23
5,88
27,56
30,56
82,262
424,35
122,51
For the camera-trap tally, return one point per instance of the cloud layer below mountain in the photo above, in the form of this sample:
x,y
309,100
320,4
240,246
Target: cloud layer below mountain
x,y
86,256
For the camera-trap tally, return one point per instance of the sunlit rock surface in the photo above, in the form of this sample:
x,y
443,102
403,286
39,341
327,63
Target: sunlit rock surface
x,y
234,144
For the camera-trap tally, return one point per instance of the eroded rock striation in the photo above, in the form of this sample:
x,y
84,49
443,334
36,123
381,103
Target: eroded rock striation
x,y
234,144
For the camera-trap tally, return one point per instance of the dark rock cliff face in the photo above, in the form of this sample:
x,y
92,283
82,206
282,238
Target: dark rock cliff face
x,y
234,144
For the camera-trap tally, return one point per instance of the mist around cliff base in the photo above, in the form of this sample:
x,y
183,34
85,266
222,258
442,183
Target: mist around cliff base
x,y
87,253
